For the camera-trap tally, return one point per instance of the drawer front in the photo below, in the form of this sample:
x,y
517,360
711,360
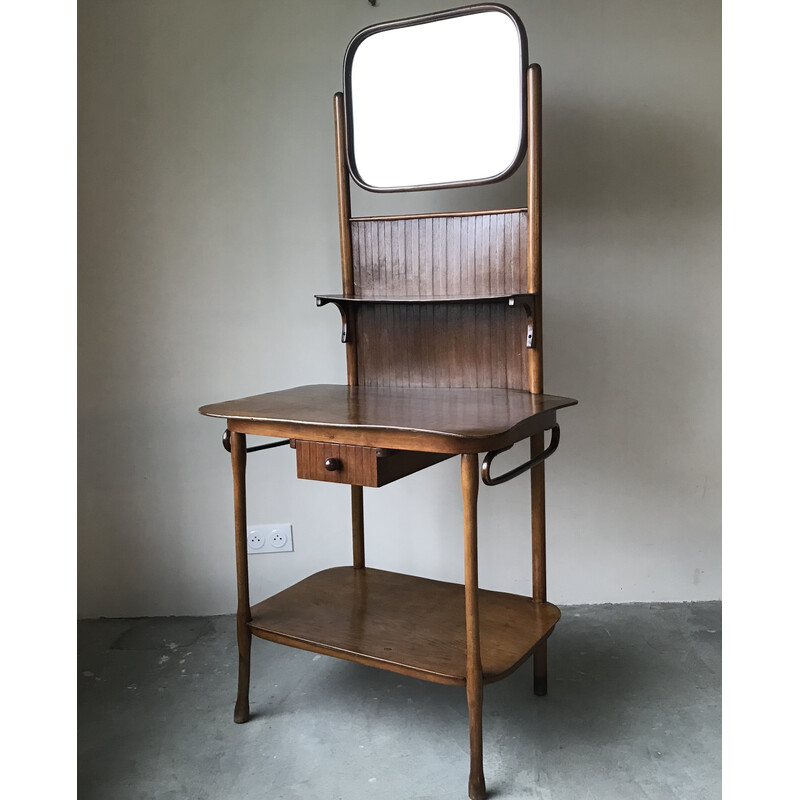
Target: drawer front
x,y
338,463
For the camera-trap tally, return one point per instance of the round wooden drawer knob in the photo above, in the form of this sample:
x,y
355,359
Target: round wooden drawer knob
x,y
333,464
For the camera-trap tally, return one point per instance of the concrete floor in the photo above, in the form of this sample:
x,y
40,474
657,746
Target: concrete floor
x,y
633,712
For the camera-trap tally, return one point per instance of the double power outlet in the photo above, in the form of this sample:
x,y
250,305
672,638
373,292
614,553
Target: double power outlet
x,y
270,538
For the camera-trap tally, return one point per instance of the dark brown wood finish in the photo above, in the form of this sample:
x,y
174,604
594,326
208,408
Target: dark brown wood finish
x,y
337,463
430,420
241,711
395,464
468,345
440,254
474,344
346,245
469,490
361,466
534,255
538,539
539,562
507,298
364,615
357,517
343,197
343,193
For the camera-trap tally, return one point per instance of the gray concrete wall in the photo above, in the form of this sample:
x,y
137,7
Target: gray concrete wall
x,y
207,221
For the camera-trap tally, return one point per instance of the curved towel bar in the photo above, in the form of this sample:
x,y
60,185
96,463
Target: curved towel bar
x,y
555,436
226,443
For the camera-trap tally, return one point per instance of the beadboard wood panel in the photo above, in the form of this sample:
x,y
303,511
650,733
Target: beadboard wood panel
x,y
441,346
445,255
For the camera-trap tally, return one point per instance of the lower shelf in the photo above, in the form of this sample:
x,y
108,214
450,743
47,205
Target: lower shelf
x,y
414,626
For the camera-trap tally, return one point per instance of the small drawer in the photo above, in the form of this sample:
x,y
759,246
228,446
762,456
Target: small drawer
x,y
339,463
360,466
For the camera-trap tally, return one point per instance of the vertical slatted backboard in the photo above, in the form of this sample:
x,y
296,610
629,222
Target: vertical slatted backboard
x,y
444,255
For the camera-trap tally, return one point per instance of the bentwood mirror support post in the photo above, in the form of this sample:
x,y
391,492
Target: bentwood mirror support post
x,y
538,542
346,248
442,331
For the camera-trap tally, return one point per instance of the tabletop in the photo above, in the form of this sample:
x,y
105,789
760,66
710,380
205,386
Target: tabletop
x,y
440,420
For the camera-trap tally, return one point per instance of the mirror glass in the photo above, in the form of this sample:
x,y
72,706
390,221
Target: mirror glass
x,y
437,100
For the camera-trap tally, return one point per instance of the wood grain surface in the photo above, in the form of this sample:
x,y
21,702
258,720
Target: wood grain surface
x,y
414,626
241,712
431,420
441,255
445,346
359,466
474,663
457,255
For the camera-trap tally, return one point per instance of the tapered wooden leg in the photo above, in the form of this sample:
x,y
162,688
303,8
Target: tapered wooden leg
x,y
241,712
539,564
357,506
469,490
540,670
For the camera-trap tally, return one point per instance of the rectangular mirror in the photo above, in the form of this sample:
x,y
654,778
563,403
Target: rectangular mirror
x,y
436,101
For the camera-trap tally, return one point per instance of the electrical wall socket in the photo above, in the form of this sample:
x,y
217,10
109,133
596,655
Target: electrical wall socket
x,y
275,538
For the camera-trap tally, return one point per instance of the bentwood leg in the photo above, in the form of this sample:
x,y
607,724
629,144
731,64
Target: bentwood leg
x,y
241,712
539,564
469,490
357,506
540,669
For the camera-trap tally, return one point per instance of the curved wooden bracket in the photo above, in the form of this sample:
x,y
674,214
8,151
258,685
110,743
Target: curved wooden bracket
x,y
321,301
226,443
555,436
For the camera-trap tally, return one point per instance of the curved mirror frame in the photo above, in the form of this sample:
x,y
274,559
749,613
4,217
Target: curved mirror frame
x,y
436,101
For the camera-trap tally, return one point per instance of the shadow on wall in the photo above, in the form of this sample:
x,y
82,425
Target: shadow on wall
x,y
628,160
632,204
597,162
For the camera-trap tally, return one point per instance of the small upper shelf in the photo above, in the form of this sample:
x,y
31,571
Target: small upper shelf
x,y
345,301
504,297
